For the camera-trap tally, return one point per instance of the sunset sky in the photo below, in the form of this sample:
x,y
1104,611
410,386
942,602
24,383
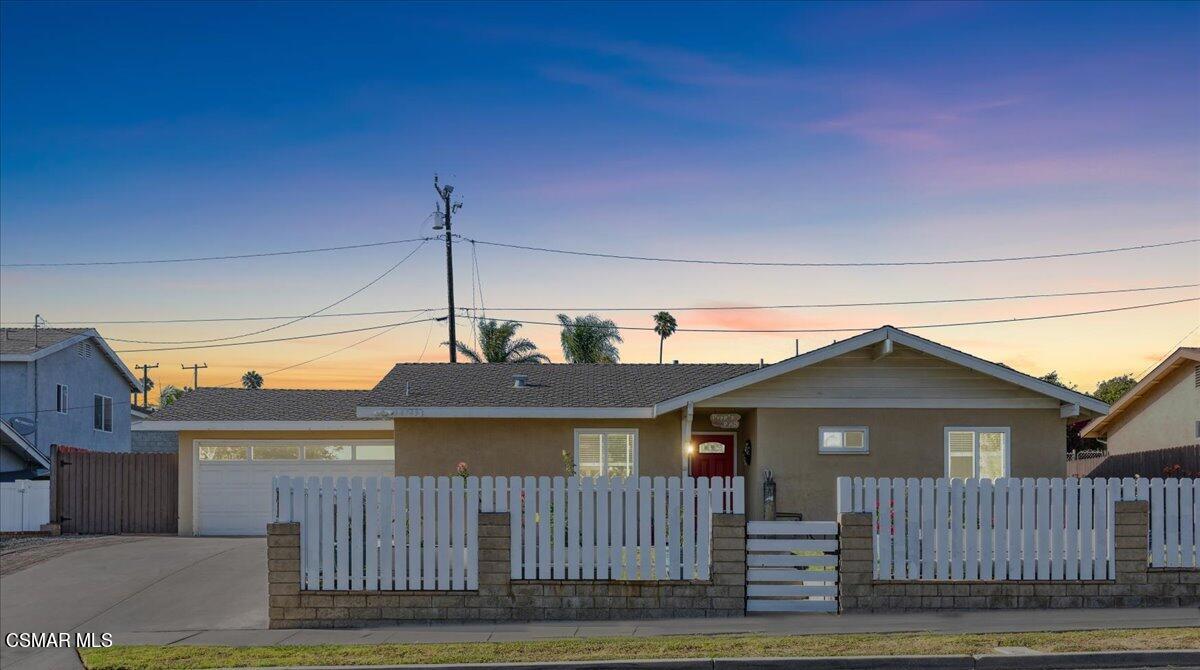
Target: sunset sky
x,y
815,132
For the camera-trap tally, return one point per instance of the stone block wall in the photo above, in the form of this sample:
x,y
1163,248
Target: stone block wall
x,y
1136,584
501,598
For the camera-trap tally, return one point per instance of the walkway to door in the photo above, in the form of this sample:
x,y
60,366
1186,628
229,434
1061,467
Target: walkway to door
x,y
791,566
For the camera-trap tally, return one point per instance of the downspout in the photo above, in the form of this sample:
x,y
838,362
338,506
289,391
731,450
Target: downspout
x,y
686,430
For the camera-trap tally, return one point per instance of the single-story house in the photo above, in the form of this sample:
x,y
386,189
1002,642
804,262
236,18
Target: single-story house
x,y
886,403
1160,412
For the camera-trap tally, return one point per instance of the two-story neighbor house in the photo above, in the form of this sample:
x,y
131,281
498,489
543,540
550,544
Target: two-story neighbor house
x,y
62,386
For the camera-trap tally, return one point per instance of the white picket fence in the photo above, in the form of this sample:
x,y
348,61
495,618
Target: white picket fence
x,y
24,505
1016,529
615,528
421,533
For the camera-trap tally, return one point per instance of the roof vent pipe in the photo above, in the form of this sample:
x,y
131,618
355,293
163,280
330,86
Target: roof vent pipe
x,y
519,381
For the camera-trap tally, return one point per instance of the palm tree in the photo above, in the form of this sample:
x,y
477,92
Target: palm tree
x,y
664,325
497,345
252,380
169,394
589,339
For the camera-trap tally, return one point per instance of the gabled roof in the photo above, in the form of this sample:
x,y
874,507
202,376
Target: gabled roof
x,y
261,409
1181,356
576,390
9,437
29,344
897,336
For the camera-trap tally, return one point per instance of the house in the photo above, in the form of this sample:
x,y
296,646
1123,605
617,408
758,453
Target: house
x,y
1160,412
882,404
19,459
64,386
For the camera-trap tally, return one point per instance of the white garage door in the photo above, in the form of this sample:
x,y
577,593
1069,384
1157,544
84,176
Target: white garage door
x,y
232,493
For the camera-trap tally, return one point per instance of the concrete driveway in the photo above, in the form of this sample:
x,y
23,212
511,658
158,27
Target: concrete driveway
x,y
151,584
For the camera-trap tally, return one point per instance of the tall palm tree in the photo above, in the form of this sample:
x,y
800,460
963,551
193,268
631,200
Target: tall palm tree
x,y
252,380
664,325
496,345
589,339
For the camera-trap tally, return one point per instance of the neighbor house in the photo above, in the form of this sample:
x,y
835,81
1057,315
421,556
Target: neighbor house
x,y
883,404
1160,412
64,386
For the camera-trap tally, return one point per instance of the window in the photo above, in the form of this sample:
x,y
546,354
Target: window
x,y
102,413
843,440
606,453
60,399
223,453
977,452
275,452
321,452
375,452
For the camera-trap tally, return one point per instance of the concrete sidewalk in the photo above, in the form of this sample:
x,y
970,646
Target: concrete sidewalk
x,y
1012,621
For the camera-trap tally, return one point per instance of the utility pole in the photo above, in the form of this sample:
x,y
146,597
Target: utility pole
x,y
447,208
195,368
145,368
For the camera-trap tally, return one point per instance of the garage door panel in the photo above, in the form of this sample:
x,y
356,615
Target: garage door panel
x,y
234,498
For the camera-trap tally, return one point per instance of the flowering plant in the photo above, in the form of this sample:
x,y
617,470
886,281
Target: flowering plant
x,y
462,470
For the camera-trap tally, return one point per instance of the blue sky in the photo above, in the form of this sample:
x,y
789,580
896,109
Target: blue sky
x,y
802,132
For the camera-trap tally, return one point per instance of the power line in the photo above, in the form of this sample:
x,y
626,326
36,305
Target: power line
x,y
881,303
283,325
276,339
866,328
844,264
1172,350
196,259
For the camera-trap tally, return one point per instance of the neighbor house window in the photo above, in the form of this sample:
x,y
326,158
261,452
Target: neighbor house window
x,y
102,413
843,440
606,453
977,452
60,399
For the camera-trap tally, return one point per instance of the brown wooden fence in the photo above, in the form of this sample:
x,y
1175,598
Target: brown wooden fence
x,y
1174,462
103,492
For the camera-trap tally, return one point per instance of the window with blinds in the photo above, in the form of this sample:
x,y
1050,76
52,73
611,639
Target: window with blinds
x,y
977,452
606,453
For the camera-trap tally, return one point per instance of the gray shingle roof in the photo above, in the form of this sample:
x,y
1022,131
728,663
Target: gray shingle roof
x,y
220,404
21,340
549,385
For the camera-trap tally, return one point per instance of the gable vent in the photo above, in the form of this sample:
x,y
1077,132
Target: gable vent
x,y
1198,376
83,350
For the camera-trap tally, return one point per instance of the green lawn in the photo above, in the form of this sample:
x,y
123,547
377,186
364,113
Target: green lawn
x,y
611,648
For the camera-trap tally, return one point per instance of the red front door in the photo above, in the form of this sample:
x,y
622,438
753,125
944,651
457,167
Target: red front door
x,y
713,454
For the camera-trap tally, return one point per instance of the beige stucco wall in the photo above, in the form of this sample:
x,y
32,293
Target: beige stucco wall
x,y
903,443
187,458
1165,417
524,446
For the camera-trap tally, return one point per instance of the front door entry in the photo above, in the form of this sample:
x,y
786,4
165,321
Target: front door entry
x,y
713,454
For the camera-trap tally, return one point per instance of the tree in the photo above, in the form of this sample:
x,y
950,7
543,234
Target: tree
x,y
252,380
1111,390
496,345
169,394
664,325
1053,378
589,339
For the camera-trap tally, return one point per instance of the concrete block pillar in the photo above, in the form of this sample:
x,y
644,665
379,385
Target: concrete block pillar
x,y
283,571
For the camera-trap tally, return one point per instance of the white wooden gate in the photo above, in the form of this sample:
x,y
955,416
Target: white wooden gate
x,y
791,566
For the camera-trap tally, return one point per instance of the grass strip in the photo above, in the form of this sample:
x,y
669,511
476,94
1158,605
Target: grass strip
x,y
619,648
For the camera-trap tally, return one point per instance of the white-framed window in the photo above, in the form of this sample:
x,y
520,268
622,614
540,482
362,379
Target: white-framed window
x,y
102,413
843,440
275,452
606,452
61,399
223,452
977,452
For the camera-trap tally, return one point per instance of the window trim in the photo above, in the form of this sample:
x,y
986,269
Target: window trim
x,y
106,413
604,446
62,398
1006,430
822,449
197,444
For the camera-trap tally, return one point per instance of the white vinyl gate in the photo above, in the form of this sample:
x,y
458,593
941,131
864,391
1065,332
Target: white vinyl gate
x,y
24,505
791,566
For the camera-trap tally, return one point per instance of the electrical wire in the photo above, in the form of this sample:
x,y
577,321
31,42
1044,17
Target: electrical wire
x,y
881,303
282,325
1172,350
196,259
276,339
844,264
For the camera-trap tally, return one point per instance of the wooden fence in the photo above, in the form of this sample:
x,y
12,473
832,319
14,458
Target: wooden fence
x,y
1017,529
24,505
1174,462
421,533
104,492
